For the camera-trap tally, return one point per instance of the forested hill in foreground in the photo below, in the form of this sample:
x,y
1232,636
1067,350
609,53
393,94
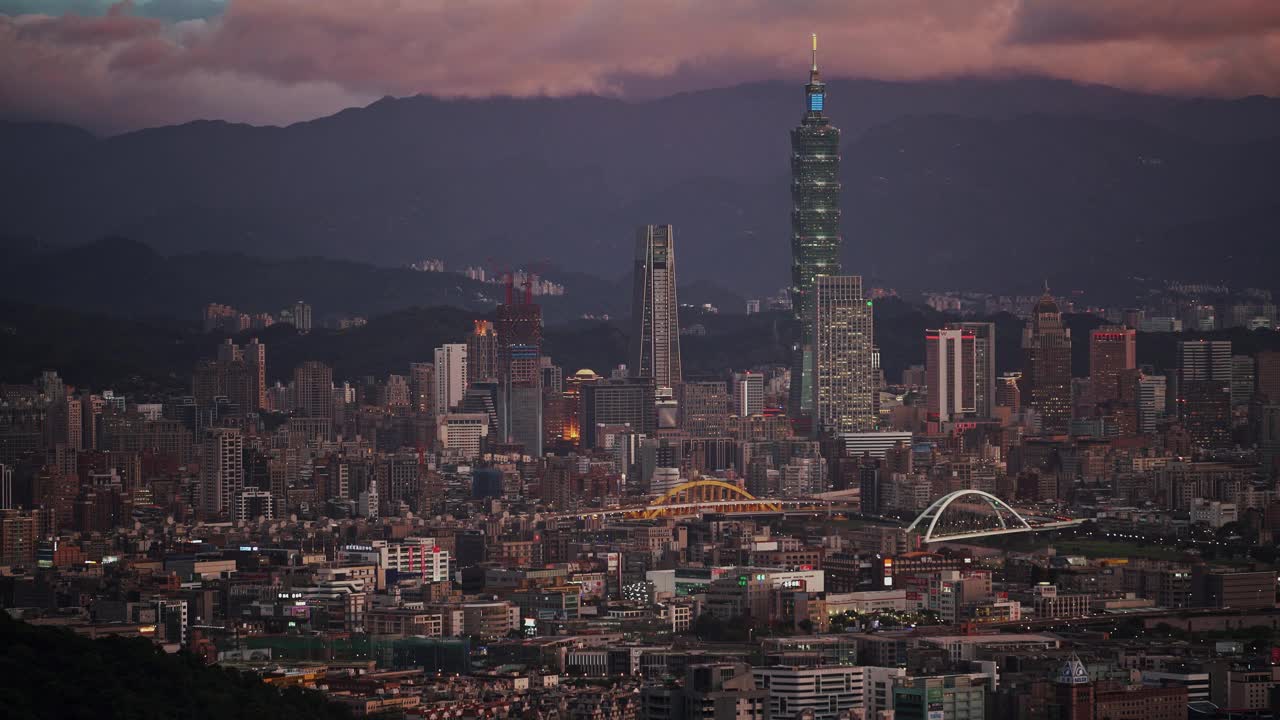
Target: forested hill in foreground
x,y
50,673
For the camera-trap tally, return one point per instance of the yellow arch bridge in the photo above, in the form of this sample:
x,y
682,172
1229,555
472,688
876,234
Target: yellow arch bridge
x,y
702,496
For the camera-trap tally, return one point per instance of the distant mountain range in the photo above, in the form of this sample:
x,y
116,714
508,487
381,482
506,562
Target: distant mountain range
x,y
965,183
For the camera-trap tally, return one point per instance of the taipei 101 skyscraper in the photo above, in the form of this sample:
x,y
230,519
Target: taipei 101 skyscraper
x,y
815,225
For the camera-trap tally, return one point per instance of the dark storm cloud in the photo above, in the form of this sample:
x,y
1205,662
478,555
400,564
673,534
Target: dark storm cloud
x,y
1095,21
273,61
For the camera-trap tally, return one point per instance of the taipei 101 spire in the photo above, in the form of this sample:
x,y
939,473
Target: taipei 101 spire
x,y
815,223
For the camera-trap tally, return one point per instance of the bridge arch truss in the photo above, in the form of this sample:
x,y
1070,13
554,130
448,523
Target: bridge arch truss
x,y
715,495
1009,519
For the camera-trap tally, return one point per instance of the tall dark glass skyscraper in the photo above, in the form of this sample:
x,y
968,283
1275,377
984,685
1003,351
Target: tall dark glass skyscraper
x,y
815,224
655,322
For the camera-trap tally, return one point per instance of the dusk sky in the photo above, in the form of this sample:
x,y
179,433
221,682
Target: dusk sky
x,y
119,66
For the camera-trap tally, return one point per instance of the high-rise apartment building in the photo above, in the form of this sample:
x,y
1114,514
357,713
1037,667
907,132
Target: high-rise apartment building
x,y
301,316
815,225
451,376
64,422
221,470
950,373
255,356
422,387
253,503
843,379
1112,349
748,394
1046,373
1204,391
984,365
237,374
313,390
1151,402
655,322
6,487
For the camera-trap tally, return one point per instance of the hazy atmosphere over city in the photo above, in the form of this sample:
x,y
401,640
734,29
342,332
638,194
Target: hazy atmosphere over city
x,y
640,359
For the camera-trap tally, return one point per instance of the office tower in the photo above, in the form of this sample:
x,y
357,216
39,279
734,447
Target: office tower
x,y
616,401
519,339
255,355
1073,691
984,365
1267,375
422,387
1112,349
821,693
462,434
1242,380
815,225
1205,360
939,696
451,376
482,352
552,375
1204,391
748,394
655,322
221,470
843,383
1269,440
1046,372
1151,402
704,408
723,691
522,417
571,421
950,373
313,390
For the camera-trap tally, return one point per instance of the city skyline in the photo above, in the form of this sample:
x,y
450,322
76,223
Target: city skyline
x,y
245,471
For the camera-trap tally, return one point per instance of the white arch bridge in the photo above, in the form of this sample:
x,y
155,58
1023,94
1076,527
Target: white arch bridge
x,y
1008,519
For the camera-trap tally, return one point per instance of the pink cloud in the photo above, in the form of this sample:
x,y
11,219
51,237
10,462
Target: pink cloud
x,y
278,61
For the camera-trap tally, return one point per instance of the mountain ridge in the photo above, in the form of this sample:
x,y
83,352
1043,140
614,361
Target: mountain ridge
x,y
569,178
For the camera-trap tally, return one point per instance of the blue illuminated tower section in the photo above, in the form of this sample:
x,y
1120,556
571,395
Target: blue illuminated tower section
x,y
815,225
